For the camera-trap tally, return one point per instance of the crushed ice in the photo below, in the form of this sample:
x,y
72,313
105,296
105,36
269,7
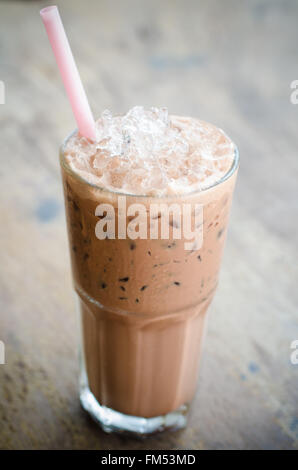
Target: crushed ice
x,y
150,152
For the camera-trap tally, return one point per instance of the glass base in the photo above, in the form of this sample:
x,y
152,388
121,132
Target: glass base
x,y
114,421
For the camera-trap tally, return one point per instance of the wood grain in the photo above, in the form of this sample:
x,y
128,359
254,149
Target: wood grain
x,y
227,62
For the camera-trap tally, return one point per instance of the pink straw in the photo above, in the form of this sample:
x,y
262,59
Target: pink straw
x,y
69,72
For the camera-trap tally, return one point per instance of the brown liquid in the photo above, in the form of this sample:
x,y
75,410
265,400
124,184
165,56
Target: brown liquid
x,y
143,302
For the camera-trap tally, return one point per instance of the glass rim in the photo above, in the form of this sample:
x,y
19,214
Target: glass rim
x,y
234,166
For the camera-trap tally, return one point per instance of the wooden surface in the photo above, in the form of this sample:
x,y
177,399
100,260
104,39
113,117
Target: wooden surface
x,y
228,62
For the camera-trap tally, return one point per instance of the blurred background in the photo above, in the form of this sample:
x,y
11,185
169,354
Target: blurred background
x,y
225,61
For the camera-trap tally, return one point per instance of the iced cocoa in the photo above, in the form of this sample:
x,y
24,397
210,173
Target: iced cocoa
x,y
143,302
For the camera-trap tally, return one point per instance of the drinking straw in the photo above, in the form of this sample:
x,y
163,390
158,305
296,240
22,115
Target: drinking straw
x,y
69,72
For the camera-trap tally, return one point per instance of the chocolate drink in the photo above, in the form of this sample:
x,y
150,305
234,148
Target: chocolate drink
x,y
143,302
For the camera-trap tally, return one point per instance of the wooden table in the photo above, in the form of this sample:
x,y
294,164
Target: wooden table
x,y
228,62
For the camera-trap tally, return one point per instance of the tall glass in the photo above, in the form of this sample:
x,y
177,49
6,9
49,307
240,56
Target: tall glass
x,y
142,303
